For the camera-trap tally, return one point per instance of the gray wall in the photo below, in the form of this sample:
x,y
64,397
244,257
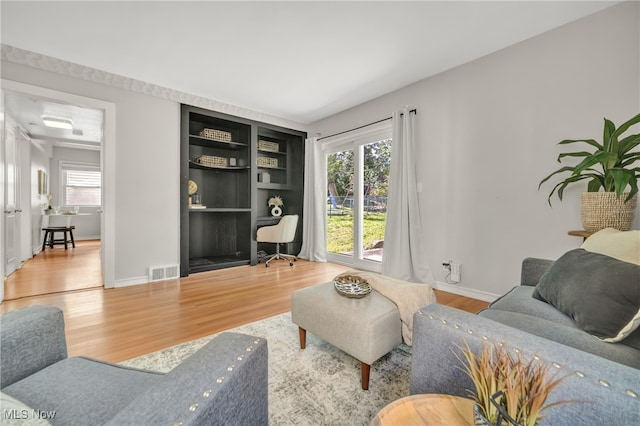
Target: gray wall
x,y
147,170
488,130
147,158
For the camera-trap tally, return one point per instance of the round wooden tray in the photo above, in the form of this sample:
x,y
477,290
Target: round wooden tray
x,y
352,287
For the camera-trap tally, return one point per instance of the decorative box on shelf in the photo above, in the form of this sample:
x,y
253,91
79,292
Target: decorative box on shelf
x,y
219,135
264,177
267,162
212,161
268,146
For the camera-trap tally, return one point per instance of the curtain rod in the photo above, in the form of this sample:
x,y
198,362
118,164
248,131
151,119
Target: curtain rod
x,y
415,111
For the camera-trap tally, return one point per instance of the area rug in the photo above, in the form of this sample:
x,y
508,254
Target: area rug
x,y
319,385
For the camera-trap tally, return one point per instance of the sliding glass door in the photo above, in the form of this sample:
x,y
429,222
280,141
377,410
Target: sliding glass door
x,y
357,182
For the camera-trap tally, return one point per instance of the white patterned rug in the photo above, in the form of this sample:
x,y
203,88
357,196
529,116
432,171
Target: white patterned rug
x,y
319,385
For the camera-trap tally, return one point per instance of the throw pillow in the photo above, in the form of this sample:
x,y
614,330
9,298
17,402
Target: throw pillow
x,y
621,245
600,293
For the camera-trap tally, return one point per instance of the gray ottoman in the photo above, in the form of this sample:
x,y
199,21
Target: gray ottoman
x,y
364,328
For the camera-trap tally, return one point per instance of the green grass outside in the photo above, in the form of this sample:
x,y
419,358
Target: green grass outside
x,y
340,231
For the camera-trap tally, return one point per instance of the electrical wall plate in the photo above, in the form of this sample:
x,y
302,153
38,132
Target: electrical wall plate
x,y
455,272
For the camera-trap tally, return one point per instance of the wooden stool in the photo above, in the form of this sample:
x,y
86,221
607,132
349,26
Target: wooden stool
x,y
50,240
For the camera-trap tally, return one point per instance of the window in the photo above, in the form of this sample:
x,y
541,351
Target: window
x,y
81,184
357,179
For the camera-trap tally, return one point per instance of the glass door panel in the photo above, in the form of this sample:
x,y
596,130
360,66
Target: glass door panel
x,y
340,218
375,180
357,181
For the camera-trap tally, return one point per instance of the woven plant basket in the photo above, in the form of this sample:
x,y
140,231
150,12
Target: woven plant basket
x,y
604,210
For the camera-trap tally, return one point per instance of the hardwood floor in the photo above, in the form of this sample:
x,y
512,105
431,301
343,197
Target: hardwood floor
x,y
122,323
48,271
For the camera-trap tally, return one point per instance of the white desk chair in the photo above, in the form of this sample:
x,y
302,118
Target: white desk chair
x,y
283,232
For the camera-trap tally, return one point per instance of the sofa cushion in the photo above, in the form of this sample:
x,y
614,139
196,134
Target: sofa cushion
x,y
82,390
600,293
569,336
520,299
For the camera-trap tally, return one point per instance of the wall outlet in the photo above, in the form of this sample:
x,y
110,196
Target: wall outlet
x,y
455,272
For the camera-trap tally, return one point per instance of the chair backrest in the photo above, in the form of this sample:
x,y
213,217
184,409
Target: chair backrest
x,y
283,232
288,225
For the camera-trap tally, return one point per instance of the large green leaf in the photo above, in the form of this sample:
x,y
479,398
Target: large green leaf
x,y
588,141
562,185
624,126
621,179
563,169
601,157
609,130
633,183
628,143
573,154
594,185
629,159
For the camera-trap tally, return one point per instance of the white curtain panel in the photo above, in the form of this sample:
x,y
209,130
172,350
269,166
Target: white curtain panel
x,y
404,255
314,244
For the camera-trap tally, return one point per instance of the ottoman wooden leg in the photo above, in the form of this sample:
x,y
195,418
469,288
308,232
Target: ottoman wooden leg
x,y
365,369
303,337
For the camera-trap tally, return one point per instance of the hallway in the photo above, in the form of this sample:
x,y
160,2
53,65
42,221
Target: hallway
x,y
57,270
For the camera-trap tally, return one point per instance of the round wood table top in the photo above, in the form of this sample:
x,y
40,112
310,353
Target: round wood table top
x,y
427,409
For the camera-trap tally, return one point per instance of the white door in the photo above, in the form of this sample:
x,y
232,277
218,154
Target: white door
x,y
11,207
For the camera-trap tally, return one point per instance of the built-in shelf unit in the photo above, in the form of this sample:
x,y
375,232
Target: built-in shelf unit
x,y
230,167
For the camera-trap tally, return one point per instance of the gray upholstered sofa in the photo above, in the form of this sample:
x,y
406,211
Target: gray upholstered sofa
x,y
225,382
603,377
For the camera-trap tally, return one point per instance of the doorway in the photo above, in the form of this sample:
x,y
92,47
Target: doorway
x,y
98,148
357,187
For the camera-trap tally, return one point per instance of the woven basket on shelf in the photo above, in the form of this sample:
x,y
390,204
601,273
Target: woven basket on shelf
x,y
604,210
267,162
212,161
219,135
268,146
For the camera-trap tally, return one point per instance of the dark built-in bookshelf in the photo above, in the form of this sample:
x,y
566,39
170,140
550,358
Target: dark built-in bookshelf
x,y
237,165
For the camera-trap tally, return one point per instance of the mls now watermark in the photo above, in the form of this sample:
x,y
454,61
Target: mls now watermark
x,y
27,414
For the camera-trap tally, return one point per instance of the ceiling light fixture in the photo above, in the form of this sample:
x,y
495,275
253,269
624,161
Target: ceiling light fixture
x,y
57,123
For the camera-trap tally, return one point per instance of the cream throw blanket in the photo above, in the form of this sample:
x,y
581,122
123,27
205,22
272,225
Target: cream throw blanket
x,y
408,297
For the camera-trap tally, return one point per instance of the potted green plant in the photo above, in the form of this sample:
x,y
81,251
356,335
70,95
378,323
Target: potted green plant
x,y
610,168
507,387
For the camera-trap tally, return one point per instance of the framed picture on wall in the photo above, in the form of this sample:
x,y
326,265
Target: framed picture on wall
x,y
42,182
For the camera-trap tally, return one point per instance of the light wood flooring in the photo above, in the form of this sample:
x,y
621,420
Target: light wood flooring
x,y
54,270
122,323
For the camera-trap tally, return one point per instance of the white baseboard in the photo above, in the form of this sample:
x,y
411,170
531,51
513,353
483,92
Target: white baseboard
x,y
86,237
131,281
467,292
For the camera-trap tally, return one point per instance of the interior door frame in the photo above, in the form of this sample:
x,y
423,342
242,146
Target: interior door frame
x,y
13,214
107,164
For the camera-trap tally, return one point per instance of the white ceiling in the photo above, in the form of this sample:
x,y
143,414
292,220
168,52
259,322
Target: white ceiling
x,y
302,61
29,110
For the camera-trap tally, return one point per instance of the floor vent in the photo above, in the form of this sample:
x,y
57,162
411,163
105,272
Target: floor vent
x,y
159,273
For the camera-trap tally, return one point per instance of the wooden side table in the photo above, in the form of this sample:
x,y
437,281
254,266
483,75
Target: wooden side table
x,y
427,409
583,234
